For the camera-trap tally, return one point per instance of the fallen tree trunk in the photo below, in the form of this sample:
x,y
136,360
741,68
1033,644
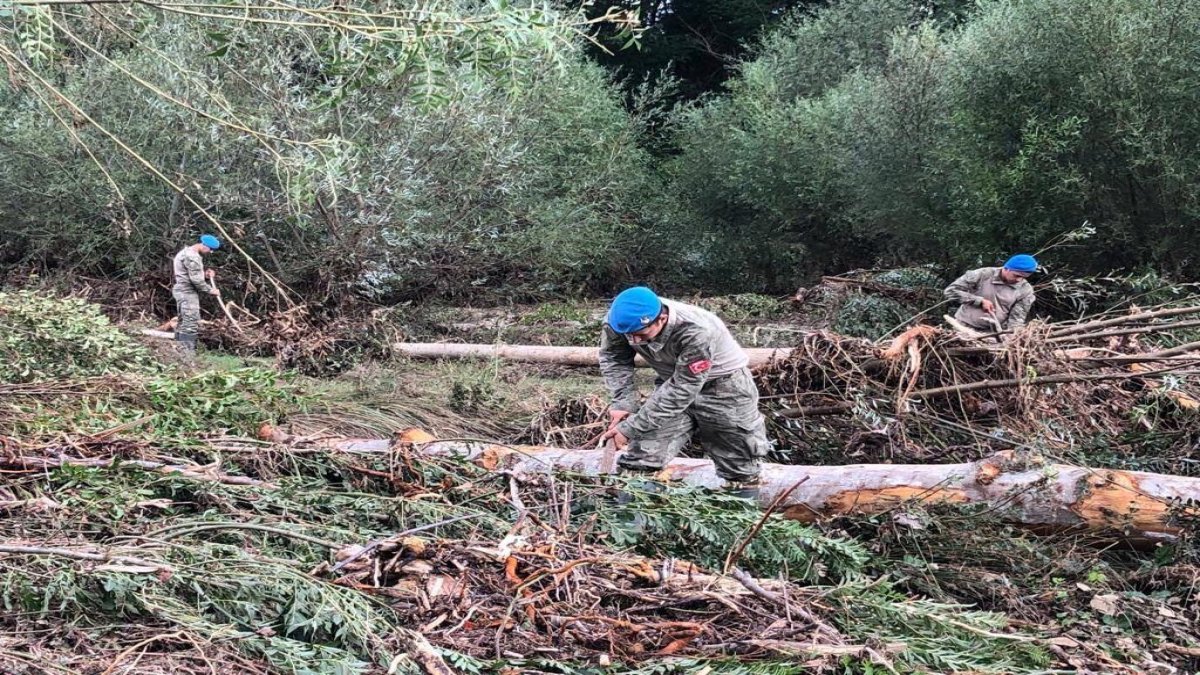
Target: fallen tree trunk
x,y
195,472
1122,504
566,356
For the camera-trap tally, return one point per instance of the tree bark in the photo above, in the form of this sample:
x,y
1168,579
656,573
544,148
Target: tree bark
x,y
1121,504
567,356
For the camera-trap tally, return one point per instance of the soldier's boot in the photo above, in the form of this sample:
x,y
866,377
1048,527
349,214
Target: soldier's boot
x,y
641,480
187,345
745,489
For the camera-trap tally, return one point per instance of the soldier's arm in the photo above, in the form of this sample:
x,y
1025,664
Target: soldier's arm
x,y
674,396
195,272
616,365
1019,312
962,290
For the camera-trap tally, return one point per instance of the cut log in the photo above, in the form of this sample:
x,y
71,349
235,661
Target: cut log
x,y
160,334
566,356
1132,505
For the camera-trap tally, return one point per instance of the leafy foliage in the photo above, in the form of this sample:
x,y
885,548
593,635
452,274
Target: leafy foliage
x,y
484,158
239,399
869,316
57,341
703,526
484,154
744,306
44,337
869,133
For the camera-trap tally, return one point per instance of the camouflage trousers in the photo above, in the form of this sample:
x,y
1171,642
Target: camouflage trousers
x,y
188,303
726,421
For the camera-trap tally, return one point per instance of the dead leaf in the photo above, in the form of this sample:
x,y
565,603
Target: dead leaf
x,y
1064,641
440,584
417,567
1106,604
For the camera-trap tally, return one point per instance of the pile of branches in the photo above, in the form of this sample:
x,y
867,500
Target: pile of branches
x,y
568,423
1116,387
549,594
933,393
311,559
301,339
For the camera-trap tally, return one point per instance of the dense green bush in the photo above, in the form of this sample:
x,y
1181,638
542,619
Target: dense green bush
x,y
46,337
869,316
501,164
336,165
744,306
58,340
869,134
240,399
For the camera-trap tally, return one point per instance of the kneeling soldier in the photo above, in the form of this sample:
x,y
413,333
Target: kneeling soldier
x,y
703,385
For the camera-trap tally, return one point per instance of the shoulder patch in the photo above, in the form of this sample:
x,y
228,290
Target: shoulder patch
x,y
700,366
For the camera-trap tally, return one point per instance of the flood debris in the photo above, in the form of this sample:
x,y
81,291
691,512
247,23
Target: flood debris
x,y
160,520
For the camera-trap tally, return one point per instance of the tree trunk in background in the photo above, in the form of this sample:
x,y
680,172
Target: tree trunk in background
x,y
567,356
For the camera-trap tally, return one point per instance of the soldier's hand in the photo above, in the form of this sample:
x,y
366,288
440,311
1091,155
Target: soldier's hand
x,y
215,291
619,439
209,274
988,306
615,417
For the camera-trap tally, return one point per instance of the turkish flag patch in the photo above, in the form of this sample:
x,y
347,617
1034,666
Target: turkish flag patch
x,y
700,366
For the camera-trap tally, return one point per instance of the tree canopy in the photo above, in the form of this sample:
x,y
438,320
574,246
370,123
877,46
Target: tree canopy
x,y
486,151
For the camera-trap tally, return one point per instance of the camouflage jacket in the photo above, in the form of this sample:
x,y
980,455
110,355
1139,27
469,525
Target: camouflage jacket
x,y
971,289
189,272
694,347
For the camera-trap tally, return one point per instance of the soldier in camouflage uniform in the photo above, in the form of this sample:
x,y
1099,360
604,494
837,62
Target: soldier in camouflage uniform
x,y
703,385
999,294
190,281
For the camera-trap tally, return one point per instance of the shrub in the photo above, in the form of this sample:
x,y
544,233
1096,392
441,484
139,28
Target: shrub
x,y
869,316
46,337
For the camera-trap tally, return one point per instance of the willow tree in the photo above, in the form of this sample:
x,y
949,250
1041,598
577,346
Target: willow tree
x,y
339,147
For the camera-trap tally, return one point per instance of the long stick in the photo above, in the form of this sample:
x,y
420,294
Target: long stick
x,y
1151,328
1043,379
757,589
212,281
107,556
196,472
1128,318
736,551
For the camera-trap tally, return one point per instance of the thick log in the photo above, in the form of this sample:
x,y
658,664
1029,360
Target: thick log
x,y
1122,504
566,356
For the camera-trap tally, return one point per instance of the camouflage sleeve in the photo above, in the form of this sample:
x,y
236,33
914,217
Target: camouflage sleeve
x,y
616,365
962,290
673,397
1019,312
195,272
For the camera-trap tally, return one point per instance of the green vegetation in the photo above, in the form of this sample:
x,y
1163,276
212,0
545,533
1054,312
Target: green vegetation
x,y
66,364
489,161
228,552
869,316
368,163
864,132
44,337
